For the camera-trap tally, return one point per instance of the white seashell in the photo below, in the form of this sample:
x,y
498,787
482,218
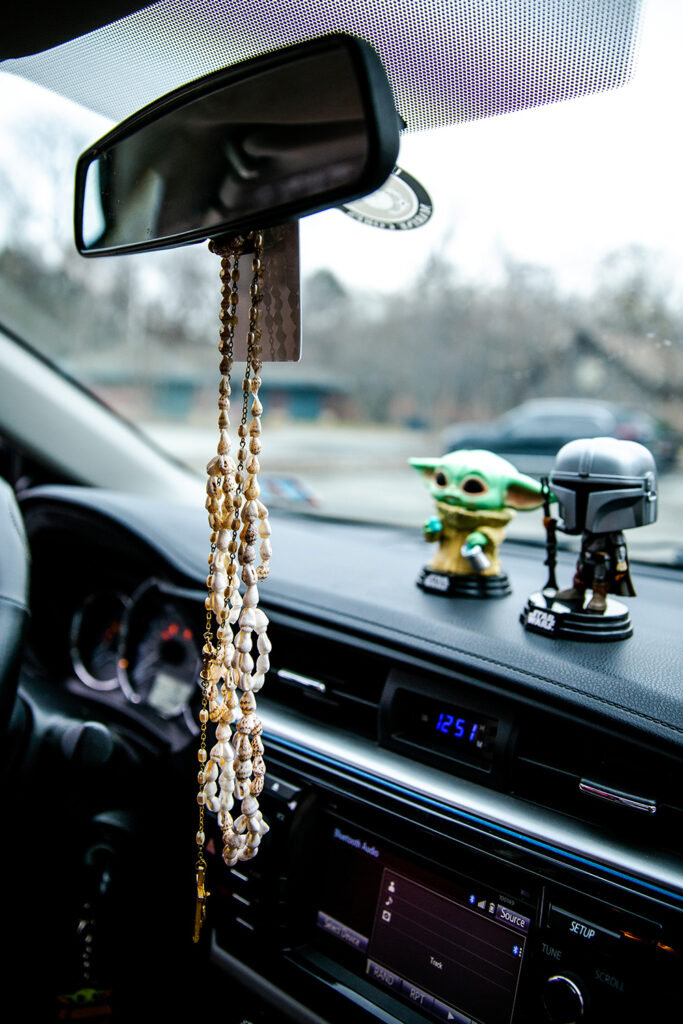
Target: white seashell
x,y
262,510
210,789
266,549
211,772
265,528
251,597
243,640
240,824
249,576
217,752
257,681
223,732
245,664
224,817
247,618
213,805
247,724
264,645
223,539
262,664
242,788
249,807
216,603
247,853
250,512
234,615
226,783
243,771
220,581
253,841
248,703
261,620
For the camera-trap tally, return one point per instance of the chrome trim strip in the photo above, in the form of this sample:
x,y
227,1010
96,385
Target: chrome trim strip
x,y
294,677
615,796
539,827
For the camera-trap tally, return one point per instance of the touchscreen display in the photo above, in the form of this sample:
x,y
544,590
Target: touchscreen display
x,y
451,948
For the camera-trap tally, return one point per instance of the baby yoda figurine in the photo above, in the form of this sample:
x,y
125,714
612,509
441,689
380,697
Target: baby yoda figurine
x,y
476,495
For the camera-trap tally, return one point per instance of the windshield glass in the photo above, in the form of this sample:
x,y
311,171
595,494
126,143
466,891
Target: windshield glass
x,y
542,301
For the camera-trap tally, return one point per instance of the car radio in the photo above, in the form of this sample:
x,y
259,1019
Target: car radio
x,y
366,915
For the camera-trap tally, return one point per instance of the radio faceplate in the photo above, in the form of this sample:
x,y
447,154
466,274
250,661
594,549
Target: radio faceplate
x,y
479,929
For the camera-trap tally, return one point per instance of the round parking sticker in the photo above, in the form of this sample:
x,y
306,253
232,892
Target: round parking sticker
x,y
399,205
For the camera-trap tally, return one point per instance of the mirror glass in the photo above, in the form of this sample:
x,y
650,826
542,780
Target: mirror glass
x,y
258,144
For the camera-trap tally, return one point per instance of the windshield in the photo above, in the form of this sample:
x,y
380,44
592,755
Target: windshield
x,y
541,301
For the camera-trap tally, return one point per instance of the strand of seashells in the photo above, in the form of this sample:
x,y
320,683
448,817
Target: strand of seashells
x,y
234,768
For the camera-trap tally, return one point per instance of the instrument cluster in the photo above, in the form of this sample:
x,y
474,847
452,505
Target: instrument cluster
x,y
146,645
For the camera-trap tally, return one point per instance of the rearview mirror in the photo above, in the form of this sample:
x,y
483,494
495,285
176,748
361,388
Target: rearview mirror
x,y
260,143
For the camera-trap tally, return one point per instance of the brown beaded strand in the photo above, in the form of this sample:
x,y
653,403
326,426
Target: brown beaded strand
x,y
234,768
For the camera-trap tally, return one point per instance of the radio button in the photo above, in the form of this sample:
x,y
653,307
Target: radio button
x,y
416,996
584,931
563,1000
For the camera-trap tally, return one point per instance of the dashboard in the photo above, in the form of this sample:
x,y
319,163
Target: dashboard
x,y
469,822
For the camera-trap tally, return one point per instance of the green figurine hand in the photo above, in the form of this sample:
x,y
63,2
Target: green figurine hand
x,y
433,528
476,539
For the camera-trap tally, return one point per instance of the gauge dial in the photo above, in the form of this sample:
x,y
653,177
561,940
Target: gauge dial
x,y
95,639
161,662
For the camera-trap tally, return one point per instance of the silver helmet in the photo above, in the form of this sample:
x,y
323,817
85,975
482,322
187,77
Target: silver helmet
x,y
604,485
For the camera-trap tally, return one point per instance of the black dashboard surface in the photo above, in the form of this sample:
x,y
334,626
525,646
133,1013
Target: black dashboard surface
x,y
362,578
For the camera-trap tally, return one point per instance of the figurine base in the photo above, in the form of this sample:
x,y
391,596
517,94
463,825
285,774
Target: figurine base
x,y
553,618
464,585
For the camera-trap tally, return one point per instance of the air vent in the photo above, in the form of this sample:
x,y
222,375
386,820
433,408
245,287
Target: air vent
x,y
594,775
326,679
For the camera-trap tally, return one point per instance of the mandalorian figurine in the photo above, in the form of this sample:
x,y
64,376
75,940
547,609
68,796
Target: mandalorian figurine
x,y
476,494
603,486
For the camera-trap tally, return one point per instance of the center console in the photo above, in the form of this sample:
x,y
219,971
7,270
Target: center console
x,y
367,906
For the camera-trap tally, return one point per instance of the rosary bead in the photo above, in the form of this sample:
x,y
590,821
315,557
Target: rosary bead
x,y
201,755
199,838
203,716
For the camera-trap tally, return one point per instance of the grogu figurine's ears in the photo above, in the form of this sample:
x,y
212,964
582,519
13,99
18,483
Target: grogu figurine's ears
x,y
426,466
523,492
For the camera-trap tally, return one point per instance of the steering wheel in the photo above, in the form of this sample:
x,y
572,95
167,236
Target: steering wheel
x,y
14,574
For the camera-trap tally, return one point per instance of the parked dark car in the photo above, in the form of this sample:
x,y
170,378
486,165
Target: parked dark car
x,y
532,433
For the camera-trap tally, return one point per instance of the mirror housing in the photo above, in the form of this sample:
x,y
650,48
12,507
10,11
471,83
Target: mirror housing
x,y
260,143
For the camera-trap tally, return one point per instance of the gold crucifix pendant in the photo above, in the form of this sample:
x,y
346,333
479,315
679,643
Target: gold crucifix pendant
x,y
200,905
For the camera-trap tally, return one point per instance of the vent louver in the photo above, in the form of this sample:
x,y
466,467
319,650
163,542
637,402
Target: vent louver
x,y
590,774
336,682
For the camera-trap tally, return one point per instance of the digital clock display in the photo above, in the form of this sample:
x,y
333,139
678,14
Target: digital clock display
x,y
460,732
